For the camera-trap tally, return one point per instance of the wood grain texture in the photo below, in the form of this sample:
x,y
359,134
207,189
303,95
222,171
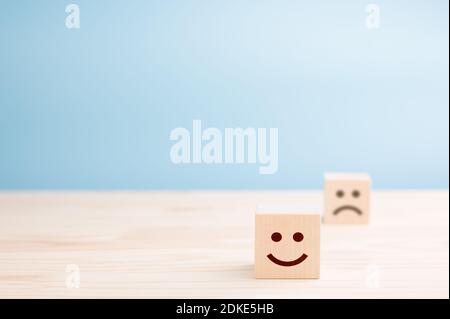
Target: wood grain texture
x,y
200,244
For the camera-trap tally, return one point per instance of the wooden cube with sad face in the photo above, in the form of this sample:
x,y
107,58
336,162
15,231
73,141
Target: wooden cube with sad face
x,y
347,198
287,245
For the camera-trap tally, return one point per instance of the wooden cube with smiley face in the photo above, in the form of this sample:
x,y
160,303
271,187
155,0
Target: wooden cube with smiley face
x,y
287,245
347,198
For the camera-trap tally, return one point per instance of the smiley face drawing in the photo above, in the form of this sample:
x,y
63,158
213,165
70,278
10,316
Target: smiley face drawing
x,y
276,237
347,198
287,245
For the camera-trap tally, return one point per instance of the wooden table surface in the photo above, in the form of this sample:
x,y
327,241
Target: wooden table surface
x,y
200,245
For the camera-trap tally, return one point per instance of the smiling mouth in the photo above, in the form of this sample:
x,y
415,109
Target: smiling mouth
x,y
297,261
353,208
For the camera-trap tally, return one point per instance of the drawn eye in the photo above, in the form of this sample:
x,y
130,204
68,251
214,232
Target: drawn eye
x,y
276,236
356,193
340,193
298,237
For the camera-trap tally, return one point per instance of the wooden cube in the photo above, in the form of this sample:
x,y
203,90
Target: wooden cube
x,y
347,198
287,245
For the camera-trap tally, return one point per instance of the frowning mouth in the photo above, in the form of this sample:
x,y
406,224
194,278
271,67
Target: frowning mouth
x,y
353,208
279,262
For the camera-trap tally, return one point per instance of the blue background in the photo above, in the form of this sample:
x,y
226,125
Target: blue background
x,y
93,108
